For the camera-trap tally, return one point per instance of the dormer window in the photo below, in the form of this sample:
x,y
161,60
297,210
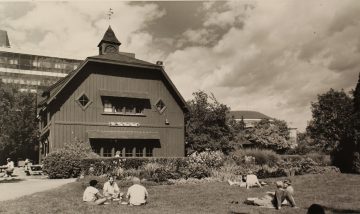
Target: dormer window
x,y
124,105
160,106
83,101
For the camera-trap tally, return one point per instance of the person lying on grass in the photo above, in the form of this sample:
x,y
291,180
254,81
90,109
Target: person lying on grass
x,y
137,194
247,181
272,199
238,182
111,190
92,195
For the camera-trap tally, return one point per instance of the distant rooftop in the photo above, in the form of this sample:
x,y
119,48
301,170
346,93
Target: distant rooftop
x,y
4,39
248,115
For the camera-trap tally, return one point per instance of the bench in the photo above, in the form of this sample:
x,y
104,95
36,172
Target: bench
x,y
34,169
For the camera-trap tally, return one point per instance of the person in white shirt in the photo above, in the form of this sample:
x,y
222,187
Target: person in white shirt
x,y
10,168
92,195
252,180
111,190
137,194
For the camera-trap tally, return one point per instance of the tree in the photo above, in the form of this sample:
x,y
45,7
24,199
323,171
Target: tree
x,y
270,134
207,124
331,114
18,126
346,155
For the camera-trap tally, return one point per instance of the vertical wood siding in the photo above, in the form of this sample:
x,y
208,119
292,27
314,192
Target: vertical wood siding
x,y
123,79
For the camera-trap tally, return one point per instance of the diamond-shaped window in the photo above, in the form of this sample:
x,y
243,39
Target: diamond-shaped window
x,y
83,101
160,106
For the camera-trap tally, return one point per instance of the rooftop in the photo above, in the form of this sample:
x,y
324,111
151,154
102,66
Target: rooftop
x,y
248,115
4,39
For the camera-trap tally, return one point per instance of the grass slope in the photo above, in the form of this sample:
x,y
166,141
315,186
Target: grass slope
x,y
338,192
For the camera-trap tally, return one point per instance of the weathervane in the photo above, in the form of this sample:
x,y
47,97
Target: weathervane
x,y
110,13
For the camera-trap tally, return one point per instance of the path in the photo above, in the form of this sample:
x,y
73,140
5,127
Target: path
x,y
29,186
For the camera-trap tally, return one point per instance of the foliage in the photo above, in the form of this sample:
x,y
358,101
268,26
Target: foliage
x,y
345,155
19,129
213,159
207,125
262,156
121,166
80,149
331,114
62,164
305,145
270,134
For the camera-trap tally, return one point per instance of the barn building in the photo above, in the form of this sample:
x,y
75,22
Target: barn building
x,y
114,102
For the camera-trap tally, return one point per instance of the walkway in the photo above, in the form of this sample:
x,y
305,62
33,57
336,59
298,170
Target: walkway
x,y
30,185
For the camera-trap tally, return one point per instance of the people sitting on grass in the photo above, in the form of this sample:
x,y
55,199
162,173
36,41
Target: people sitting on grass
x,y
137,194
92,195
9,168
111,190
282,195
252,180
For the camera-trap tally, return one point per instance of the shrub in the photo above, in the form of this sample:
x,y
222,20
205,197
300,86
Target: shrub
x,y
270,172
194,171
62,164
80,149
229,171
121,166
211,159
262,156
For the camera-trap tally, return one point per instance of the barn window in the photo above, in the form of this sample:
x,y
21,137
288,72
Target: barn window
x,y
139,152
160,106
149,151
128,151
83,101
124,106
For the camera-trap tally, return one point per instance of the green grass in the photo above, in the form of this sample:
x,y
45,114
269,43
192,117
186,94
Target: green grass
x,y
338,192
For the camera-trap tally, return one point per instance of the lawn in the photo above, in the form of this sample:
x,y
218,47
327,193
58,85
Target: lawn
x,y
338,192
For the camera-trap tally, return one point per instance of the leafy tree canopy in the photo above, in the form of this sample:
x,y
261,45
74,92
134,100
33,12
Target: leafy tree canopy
x,y
270,134
207,124
18,126
330,119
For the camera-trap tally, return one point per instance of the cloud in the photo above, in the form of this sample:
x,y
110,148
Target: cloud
x,y
282,56
73,29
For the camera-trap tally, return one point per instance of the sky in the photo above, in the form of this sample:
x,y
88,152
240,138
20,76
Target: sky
x,y
270,56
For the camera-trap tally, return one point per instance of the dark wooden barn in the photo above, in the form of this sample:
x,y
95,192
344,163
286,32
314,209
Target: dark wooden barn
x,y
114,102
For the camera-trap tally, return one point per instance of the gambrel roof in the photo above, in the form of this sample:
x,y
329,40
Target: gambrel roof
x,y
114,59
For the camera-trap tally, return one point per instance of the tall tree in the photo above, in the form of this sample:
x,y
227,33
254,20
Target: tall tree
x,y
331,114
18,126
207,124
347,154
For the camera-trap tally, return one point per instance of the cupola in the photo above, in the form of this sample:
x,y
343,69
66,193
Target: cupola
x,y
109,43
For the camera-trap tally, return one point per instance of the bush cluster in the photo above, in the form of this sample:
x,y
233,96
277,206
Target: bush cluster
x,y
208,164
62,164
262,156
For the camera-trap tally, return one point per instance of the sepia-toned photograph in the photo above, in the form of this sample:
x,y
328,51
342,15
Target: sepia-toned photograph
x,y
180,107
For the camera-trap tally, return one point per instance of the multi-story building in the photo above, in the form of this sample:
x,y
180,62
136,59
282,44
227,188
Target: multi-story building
x,y
30,71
